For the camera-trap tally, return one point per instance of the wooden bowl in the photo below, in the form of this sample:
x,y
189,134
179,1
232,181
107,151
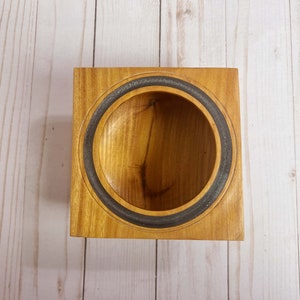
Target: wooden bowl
x,y
156,150
156,153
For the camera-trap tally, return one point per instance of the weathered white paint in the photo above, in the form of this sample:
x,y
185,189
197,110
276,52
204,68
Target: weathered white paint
x,y
265,265
40,42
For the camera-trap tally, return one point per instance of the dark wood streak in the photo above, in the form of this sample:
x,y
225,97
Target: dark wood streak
x,y
144,164
147,192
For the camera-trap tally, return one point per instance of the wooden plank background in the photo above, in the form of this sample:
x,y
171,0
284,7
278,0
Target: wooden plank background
x,y
40,43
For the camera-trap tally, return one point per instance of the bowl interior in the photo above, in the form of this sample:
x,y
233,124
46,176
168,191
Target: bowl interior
x,y
157,150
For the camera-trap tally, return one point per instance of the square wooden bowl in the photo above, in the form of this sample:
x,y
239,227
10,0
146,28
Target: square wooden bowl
x,y
156,154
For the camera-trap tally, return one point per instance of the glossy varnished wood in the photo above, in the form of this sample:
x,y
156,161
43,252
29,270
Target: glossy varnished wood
x,y
156,151
145,133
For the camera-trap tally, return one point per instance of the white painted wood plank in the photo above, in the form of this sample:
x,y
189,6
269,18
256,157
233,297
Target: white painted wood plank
x,y
127,35
120,269
192,34
295,28
265,265
17,34
39,258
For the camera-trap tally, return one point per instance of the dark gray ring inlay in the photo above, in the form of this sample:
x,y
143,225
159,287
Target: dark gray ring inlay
x,y
206,200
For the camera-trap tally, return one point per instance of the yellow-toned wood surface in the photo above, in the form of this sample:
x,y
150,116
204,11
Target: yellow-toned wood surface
x,y
156,151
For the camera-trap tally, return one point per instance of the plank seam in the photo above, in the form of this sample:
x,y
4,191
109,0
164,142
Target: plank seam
x,y
85,239
95,33
156,254
84,267
159,64
295,141
159,38
226,64
28,131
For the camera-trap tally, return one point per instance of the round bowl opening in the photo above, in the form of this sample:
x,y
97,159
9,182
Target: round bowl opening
x,y
157,150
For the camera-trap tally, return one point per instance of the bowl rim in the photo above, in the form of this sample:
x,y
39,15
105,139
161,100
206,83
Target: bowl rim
x,y
212,193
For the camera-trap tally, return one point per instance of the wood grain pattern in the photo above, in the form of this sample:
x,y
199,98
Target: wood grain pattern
x,y
118,147
17,35
265,266
37,259
120,269
295,43
40,259
192,34
150,148
127,35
